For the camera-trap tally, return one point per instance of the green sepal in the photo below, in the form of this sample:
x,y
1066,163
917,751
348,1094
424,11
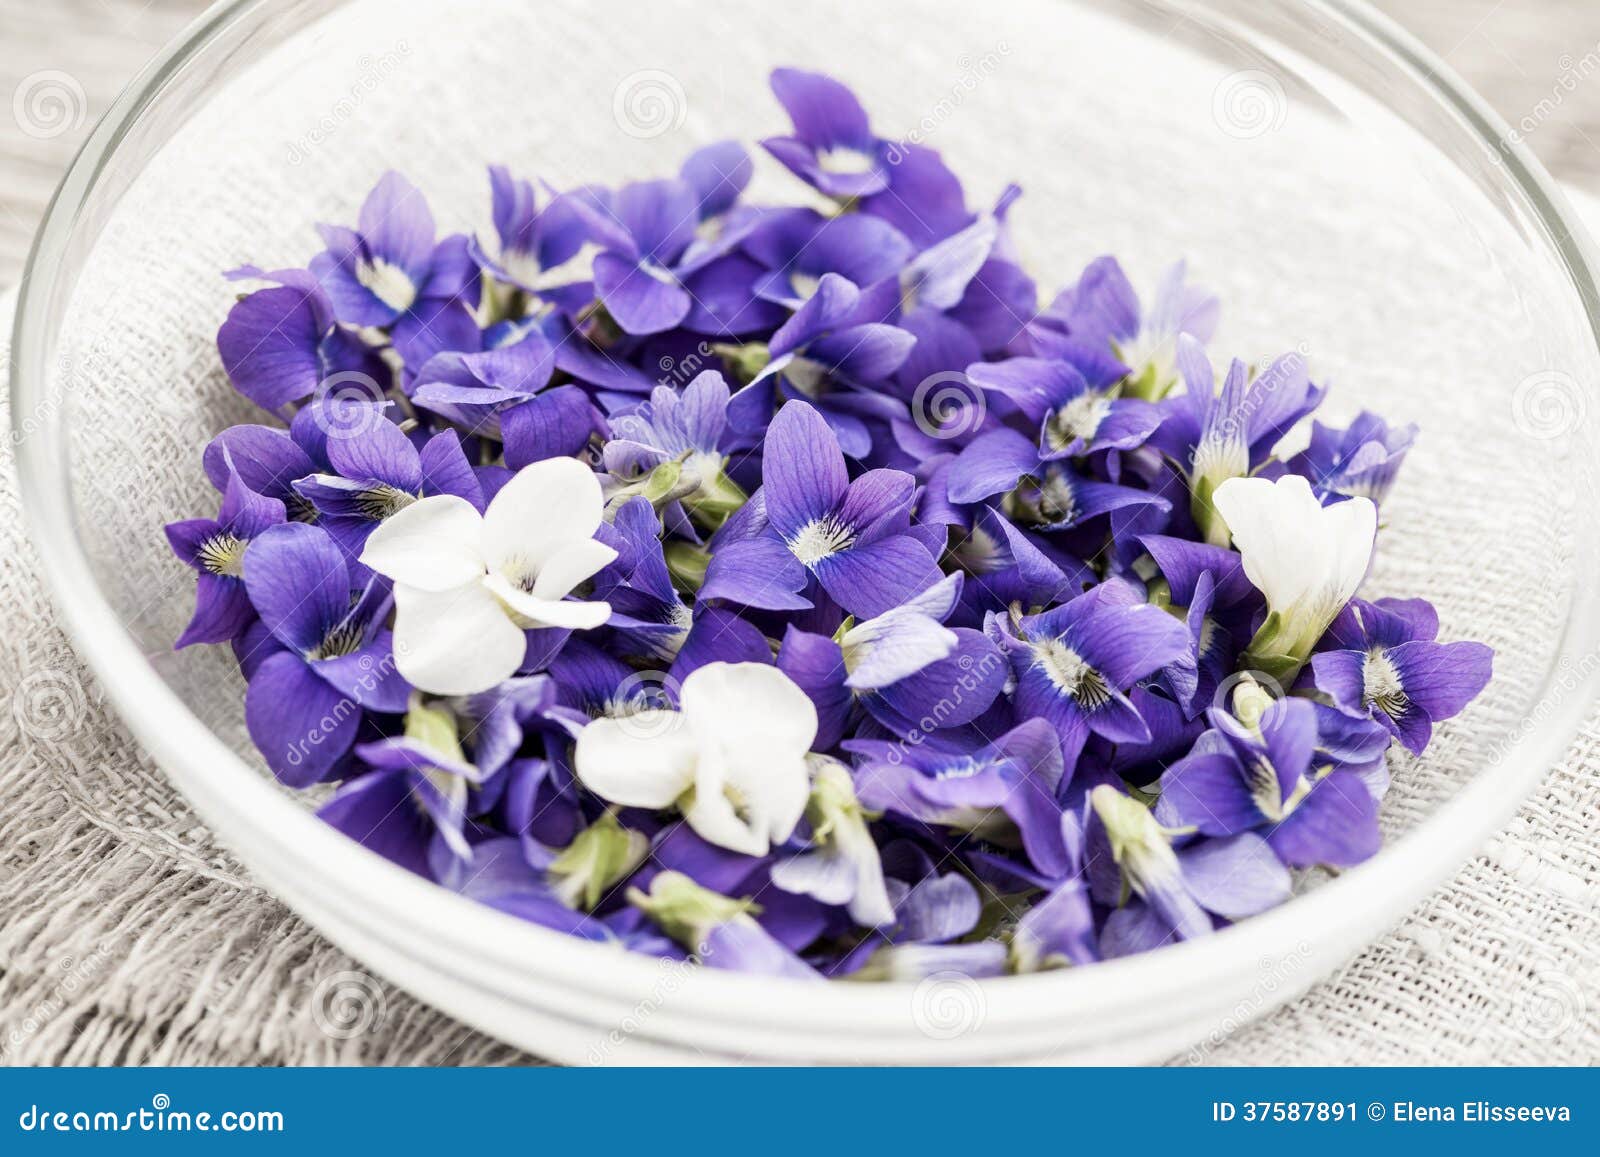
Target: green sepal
x,y
744,362
433,727
1273,652
1213,530
1148,384
687,564
685,911
715,501
601,855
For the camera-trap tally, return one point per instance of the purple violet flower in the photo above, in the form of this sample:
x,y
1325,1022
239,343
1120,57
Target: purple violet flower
x,y
831,353
389,270
378,472
1159,892
1003,792
1267,776
280,344
1358,461
851,538
541,247
833,148
1075,664
327,658
1381,659
215,549
1103,311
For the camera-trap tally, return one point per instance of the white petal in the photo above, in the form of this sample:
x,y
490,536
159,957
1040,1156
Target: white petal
x,y
871,906
824,874
545,507
893,646
431,545
749,706
569,566
457,642
714,817
775,790
938,601
646,759
1278,531
1351,526
533,611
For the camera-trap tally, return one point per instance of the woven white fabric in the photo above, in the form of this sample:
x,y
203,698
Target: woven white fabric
x,y
126,936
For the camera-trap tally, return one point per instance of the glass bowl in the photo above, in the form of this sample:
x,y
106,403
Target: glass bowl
x,y
1339,189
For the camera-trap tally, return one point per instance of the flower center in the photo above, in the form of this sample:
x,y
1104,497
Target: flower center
x,y
1264,787
842,160
1381,685
807,376
343,639
1222,454
978,553
804,285
1057,502
820,539
381,501
1071,674
1078,419
389,283
299,508
703,465
658,271
223,554
521,574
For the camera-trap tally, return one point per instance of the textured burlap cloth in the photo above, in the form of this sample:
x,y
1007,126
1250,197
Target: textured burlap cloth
x,y
128,937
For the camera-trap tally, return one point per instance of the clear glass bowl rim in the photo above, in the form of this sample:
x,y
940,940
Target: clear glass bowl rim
x,y
286,843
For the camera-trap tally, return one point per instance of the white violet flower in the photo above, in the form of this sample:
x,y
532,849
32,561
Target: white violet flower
x,y
843,867
733,756
1306,558
466,586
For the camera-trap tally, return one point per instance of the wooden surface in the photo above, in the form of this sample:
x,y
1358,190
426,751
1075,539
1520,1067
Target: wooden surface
x,y
63,61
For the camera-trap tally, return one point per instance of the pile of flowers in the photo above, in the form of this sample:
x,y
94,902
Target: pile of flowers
x,y
782,585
